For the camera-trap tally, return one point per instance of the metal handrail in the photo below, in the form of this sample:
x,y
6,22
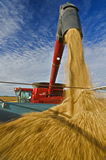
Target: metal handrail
x,y
56,86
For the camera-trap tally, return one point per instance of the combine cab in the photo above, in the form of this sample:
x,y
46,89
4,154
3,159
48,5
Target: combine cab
x,y
23,95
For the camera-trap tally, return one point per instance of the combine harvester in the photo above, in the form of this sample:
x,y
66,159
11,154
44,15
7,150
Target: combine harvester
x,y
44,95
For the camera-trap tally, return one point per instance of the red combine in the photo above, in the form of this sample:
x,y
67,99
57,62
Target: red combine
x,y
52,93
39,94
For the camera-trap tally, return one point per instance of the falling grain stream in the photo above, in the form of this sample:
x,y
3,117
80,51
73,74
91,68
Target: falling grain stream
x,y
73,130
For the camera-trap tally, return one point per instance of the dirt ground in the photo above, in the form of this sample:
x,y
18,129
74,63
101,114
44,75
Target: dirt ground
x,y
8,98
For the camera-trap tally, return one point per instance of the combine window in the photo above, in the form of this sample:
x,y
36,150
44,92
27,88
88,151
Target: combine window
x,y
23,96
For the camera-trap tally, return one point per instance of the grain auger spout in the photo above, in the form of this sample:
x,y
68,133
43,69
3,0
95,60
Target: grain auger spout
x,y
68,18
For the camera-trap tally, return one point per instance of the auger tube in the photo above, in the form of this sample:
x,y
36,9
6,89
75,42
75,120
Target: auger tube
x,y
68,18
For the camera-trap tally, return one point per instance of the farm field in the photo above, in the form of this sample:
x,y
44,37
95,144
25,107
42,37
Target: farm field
x,y
8,98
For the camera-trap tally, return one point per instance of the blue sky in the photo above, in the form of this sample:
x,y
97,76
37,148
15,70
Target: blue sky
x,y
27,40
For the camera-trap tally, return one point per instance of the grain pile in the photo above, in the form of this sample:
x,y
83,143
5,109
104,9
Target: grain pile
x,y
73,130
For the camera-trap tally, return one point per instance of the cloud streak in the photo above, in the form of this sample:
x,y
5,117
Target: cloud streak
x,y
11,20
95,56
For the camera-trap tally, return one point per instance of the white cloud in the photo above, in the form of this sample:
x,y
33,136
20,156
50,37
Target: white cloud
x,y
95,56
10,20
94,27
31,66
